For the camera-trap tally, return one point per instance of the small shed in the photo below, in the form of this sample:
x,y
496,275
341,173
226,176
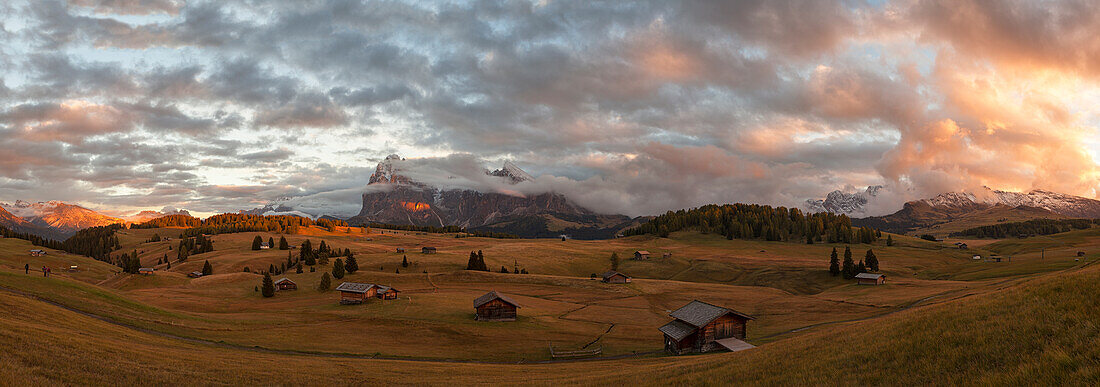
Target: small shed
x,y
73,268
870,279
666,255
264,246
494,306
641,254
702,327
428,250
400,249
355,293
387,293
962,246
285,284
614,277
38,253
195,274
146,271
1080,253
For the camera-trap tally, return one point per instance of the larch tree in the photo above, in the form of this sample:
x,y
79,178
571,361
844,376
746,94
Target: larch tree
x,y
834,264
256,242
871,260
338,269
268,286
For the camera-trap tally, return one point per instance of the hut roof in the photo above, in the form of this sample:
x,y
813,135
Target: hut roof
x,y
612,273
284,279
868,276
643,252
145,269
383,288
196,273
354,287
493,295
677,329
698,313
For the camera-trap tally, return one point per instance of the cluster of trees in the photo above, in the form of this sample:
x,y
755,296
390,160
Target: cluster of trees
x,y
155,238
192,246
95,242
311,256
848,268
1029,227
231,223
487,234
477,262
34,239
129,263
753,221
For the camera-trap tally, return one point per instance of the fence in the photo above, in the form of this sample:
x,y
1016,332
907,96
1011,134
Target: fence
x,y
575,354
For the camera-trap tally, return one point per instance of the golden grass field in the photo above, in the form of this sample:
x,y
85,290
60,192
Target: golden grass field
x,y
803,314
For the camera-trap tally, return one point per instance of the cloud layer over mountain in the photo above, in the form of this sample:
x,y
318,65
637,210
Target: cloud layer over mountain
x,y
628,107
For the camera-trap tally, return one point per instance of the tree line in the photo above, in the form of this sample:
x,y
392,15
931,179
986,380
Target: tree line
x,y
1028,227
33,239
233,223
848,268
759,222
95,242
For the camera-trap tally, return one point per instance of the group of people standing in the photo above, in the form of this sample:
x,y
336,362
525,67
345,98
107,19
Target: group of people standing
x,y
45,270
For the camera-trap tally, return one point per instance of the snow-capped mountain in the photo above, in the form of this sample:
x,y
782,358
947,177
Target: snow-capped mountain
x,y
1058,203
62,218
394,197
840,202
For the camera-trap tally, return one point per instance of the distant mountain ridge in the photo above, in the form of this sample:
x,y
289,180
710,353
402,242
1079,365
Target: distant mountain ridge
x,y
933,213
840,202
63,219
398,199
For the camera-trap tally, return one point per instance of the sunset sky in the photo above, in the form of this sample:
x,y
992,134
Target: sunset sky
x,y
629,107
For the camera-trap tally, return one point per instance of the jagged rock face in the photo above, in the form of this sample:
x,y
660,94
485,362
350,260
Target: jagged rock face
x,y
62,218
1062,204
839,202
396,199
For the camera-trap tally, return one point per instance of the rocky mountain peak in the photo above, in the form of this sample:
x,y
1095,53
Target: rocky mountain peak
x,y
512,173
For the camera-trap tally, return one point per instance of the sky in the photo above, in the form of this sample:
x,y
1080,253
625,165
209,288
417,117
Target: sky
x,y
629,107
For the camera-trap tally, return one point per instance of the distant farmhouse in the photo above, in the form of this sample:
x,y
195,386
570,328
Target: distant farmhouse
x,y
870,279
640,255
614,277
428,250
146,271
355,293
702,327
195,274
285,284
38,253
494,306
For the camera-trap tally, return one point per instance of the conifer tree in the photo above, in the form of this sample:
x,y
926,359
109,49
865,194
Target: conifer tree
x,y
834,264
351,265
207,269
849,266
481,261
326,282
471,264
614,261
871,260
256,242
268,286
299,271
861,267
405,261
503,269
169,266
338,269
282,243
889,240
270,242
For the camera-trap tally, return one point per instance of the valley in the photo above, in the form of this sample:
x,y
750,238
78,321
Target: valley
x,y
784,285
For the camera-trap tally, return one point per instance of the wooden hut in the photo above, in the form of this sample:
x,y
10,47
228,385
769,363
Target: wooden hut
x,y
285,284
640,255
400,249
386,293
870,279
195,274
355,293
146,271
38,253
614,277
428,250
666,255
494,306
702,327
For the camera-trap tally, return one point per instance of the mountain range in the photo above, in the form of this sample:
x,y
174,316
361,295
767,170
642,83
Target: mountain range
x,y
59,220
395,198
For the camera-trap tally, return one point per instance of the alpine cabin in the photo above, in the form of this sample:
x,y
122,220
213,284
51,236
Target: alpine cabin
x,y
870,279
355,293
702,327
285,284
494,306
195,274
614,277
146,271
640,255
428,250
38,253
386,292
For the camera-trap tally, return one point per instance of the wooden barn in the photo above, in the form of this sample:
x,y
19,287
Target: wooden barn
x,y
285,284
355,293
195,274
38,253
494,306
614,277
428,250
146,271
702,327
870,279
386,292
641,254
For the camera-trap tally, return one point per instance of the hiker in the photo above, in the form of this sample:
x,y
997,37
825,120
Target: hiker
x,y
44,271
27,269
